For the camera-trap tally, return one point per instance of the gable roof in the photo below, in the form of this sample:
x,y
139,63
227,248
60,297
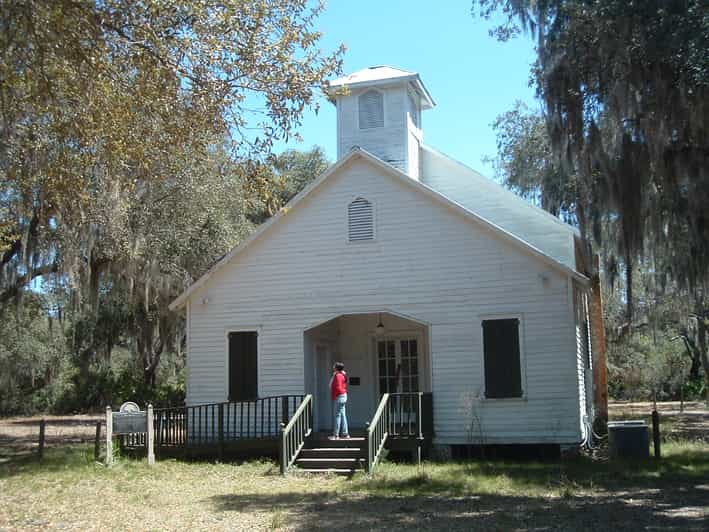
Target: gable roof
x,y
383,75
503,192
401,177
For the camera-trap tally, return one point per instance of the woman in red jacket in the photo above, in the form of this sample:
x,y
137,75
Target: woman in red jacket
x,y
338,392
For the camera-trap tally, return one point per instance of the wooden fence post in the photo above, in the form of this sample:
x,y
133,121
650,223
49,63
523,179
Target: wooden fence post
x,y
109,436
150,436
656,433
97,442
40,451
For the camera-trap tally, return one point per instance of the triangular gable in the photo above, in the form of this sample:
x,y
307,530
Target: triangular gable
x,y
403,178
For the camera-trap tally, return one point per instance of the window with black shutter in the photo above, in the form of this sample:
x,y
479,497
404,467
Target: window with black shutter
x,y
242,366
503,376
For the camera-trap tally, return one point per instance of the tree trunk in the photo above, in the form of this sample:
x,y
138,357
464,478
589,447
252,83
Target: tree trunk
x,y
702,348
149,348
629,290
598,346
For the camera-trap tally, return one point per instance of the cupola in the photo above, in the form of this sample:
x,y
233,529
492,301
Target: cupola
x,y
379,109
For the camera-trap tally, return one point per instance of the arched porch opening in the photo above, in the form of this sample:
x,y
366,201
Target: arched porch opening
x,y
393,357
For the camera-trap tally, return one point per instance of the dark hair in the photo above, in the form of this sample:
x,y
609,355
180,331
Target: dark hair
x,y
339,366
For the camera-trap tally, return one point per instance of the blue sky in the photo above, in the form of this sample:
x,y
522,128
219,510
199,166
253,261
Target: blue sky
x,y
472,77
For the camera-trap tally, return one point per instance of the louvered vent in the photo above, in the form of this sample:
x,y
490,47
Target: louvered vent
x,y
371,110
360,218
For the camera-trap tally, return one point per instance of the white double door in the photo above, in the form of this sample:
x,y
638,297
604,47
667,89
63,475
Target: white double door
x,y
398,365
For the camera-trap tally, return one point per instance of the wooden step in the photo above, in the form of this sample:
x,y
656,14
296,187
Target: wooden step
x,y
341,457
318,441
328,463
333,452
342,472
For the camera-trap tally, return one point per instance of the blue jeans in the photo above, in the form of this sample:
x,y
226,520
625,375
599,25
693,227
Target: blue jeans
x,y
340,425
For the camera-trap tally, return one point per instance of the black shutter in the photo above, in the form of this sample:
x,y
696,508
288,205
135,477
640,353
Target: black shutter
x,y
242,366
502,363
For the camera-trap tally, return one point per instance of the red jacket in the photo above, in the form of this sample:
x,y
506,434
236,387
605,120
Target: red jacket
x,y
338,385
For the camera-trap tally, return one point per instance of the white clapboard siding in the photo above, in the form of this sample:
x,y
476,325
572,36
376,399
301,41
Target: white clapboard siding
x,y
427,262
498,205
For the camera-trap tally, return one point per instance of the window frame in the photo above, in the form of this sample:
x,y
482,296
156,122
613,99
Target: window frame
x,y
397,336
522,355
384,113
227,332
349,202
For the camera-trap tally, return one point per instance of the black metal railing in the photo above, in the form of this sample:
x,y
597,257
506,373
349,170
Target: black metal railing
x,y
216,424
399,415
410,414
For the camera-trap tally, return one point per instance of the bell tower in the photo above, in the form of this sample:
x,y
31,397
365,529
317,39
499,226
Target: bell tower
x,y
379,110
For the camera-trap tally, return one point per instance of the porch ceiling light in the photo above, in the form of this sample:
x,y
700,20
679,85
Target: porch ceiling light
x,y
379,329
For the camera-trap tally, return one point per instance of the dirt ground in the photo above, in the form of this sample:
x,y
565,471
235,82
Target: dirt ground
x,y
20,435
689,421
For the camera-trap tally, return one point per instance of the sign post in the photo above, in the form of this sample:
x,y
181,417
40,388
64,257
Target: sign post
x,y
150,436
109,436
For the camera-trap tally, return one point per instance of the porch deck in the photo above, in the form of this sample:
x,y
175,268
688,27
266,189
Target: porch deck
x,y
281,426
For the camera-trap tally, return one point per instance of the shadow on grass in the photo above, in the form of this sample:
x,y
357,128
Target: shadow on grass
x,y
470,512
681,472
569,495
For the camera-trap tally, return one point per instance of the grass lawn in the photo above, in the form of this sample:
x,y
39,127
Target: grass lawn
x,y
69,491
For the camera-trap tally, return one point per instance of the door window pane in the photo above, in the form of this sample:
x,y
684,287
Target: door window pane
x,y
398,365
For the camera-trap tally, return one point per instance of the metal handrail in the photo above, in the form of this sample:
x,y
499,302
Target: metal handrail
x,y
294,433
377,432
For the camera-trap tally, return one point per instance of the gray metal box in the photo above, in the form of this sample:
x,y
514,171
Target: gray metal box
x,y
629,439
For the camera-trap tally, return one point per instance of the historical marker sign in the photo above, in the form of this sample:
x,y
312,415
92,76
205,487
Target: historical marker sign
x,y
129,422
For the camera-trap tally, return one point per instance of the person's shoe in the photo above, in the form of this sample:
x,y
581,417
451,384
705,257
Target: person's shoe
x,y
345,437
332,437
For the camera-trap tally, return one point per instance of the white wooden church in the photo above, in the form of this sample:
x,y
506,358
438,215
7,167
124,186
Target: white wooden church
x,y
416,272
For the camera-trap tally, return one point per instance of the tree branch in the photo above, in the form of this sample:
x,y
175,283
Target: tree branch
x,y
17,244
24,280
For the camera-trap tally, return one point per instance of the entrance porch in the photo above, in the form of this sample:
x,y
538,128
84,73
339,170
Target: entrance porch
x,y
383,353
